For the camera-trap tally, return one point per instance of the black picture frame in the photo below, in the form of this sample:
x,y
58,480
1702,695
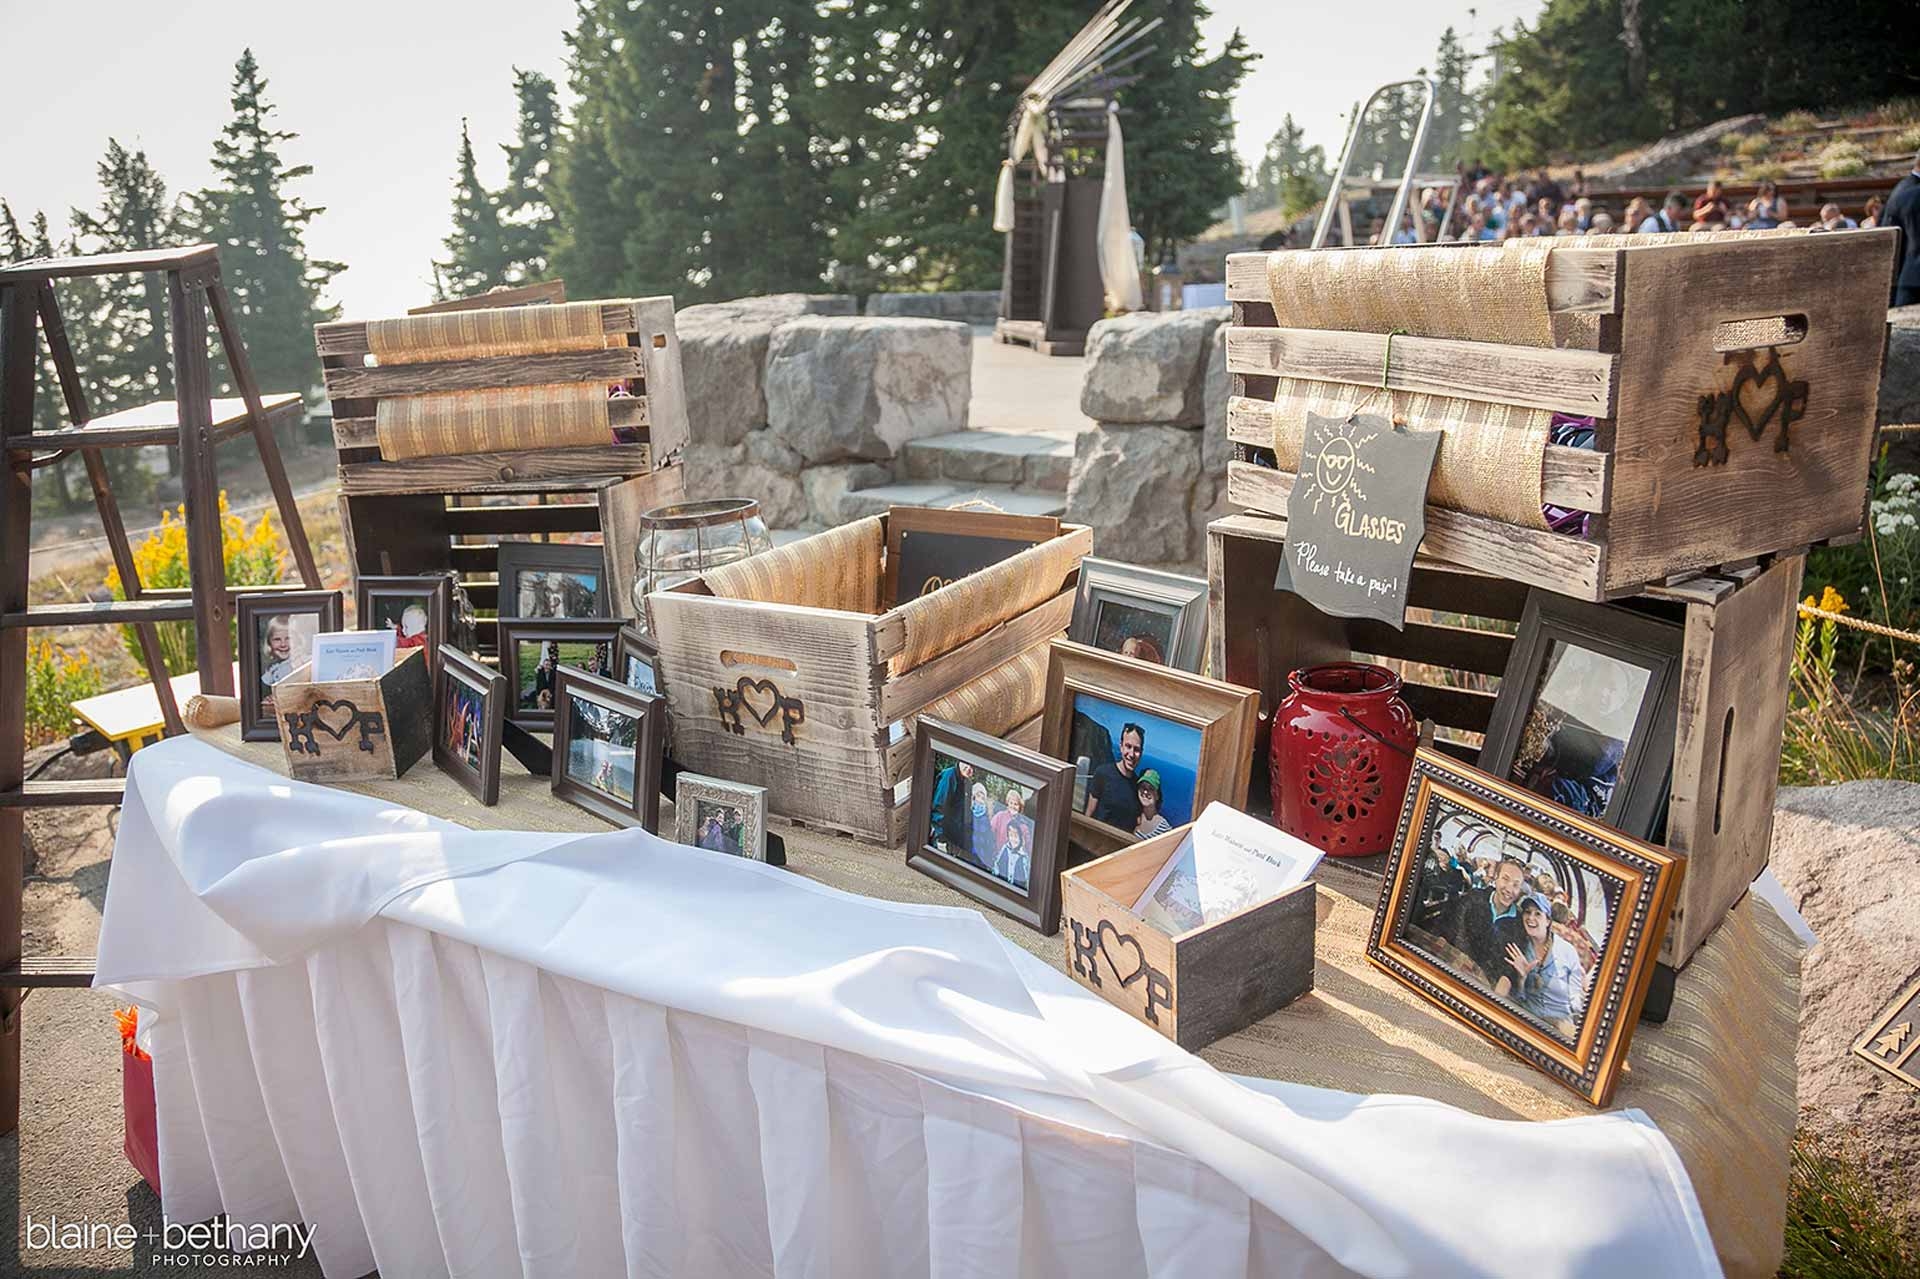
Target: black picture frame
x,y
576,630
650,716
519,558
435,589
928,549
257,724
634,650
456,668
1637,802
1647,883
1051,781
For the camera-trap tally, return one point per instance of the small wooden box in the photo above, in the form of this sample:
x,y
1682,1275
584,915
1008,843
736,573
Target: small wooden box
x,y
1736,651
1196,986
352,730
1734,383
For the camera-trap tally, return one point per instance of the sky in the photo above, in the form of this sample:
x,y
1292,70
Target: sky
x,y
377,93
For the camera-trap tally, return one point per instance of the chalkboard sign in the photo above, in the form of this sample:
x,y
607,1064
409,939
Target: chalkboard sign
x,y
1356,516
929,549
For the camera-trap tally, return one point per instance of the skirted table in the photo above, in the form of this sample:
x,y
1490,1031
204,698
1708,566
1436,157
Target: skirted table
x,y
465,1040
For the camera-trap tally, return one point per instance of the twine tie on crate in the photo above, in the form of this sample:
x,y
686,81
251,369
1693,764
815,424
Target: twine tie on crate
x,y
1871,628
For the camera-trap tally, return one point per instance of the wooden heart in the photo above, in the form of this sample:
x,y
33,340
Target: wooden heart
x,y
347,721
1124,940
767,687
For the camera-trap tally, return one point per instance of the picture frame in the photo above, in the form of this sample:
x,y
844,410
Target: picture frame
x,y
1619,671
929,548
1015,779
469,721
637,657
598,725
1143,613
1194,734
383,602
325,611
696,823
525,681
552,572
1573,1012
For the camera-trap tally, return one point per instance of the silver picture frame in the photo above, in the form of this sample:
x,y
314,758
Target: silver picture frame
x,y
1152,597
690,790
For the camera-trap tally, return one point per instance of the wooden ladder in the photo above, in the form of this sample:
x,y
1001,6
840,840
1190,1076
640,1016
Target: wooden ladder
x,y
194,421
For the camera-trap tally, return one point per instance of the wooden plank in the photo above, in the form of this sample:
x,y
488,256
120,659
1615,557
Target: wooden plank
x,y
140,260
349,337
621,505
1579,281
1231,973
87,792
627,411
905,694
200,484
1090,907
1435,644
659,343
1569,565
151,609
555,517
547,293
1577,479
1460,708
153,424
19,360
522,472
72,972
1575,382
615,364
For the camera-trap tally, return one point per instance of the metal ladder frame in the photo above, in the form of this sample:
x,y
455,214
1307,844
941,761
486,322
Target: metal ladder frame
x,y
1337,192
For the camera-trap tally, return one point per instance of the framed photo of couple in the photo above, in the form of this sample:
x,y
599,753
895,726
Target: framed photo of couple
x,y
1533,924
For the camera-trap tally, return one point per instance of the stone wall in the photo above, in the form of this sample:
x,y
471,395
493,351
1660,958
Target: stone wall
x,y
796,400
1152,475
981,307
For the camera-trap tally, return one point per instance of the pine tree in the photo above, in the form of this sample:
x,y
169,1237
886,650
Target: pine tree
x,y
476,249
526,215
13,241
1291,175
41,245
1456,106
272,284
133,362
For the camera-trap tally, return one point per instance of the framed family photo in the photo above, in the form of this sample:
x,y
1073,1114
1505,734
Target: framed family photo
x,y
720,816
1142,613
417,610
636,660
1531,923
1586,711
470,702
534,652
1151,746
276,639
607,748
928,549
552,579
989,819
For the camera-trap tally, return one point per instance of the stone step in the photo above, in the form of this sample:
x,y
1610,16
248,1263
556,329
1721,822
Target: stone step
x,y
1031,460
861,503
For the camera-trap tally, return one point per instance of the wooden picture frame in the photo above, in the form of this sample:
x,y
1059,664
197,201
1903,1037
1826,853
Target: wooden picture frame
x,y
480,775
930,548
637,655
600,632
612,702
1211,720
1037,903
1609,637
692,790
517,559
258,724
1585,1049
1173,609
433,590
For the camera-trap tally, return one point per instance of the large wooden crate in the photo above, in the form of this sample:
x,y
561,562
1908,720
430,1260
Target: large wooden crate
x,y
1650,341
1736,655
819,704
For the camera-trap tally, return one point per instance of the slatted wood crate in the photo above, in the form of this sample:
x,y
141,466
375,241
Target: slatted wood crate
x,y
1673,347
815,694
1736,654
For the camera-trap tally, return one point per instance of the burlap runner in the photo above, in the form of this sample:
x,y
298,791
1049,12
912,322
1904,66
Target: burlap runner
x,y
1001,700
1718,1077
474,335
1489,464
943,620
1486,293
496,419
838,569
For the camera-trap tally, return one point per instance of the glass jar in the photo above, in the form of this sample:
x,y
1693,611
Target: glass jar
x,y
686,539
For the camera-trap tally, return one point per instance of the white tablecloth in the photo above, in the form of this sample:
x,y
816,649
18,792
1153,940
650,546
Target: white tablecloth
x,y
538,1054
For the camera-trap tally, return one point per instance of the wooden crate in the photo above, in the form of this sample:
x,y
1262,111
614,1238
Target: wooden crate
x,y
1645,339
1192,987
353,730
810,703
1736,654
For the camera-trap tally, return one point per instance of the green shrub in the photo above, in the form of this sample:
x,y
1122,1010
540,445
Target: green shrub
x,y
1797,122
1830,739
1878,576
56,679
1768,171
1907,141
1835,1227
1751,146
1844,159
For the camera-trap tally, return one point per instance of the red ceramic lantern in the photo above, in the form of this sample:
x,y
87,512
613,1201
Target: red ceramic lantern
x,y
1343,743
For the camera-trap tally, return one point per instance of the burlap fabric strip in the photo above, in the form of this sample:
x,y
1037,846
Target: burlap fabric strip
x,y
839,569
1489,464
998,702
494,331
495,419
1486,293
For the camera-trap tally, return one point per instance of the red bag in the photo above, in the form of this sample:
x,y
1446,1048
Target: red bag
x,y
142,1142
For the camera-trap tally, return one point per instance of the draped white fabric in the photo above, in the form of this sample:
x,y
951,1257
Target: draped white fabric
x,y
543,1054
1119,272
1029,135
